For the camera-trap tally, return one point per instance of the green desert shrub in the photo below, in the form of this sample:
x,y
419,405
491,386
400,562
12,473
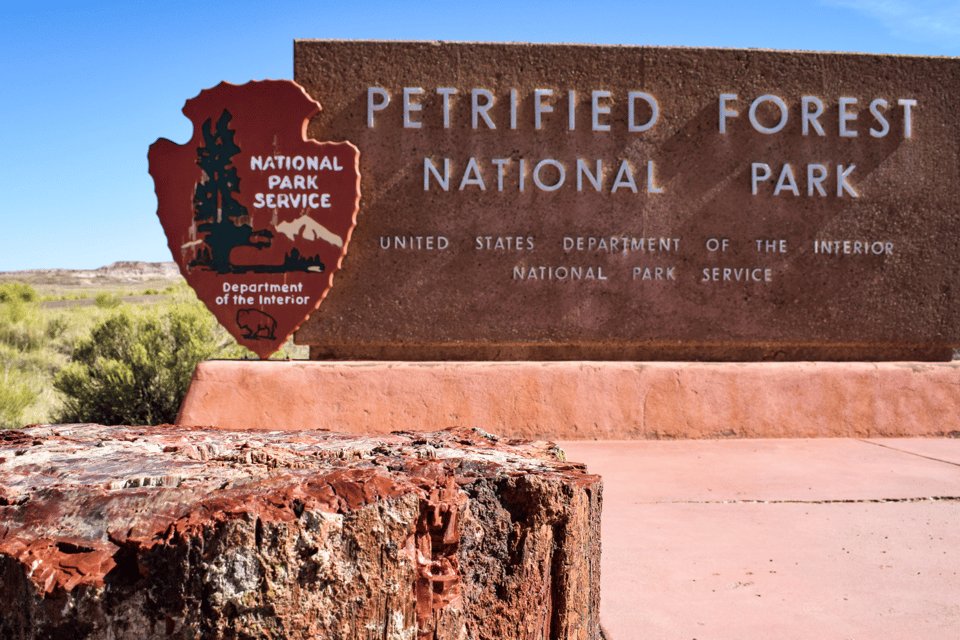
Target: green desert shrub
x,y
20,324
55,327
107,300
17,291
177,288
15,397
136,365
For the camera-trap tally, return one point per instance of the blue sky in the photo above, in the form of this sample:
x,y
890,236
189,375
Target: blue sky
x,y
87,88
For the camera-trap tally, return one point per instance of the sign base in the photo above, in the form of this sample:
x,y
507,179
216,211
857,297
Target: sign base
x,y
581,400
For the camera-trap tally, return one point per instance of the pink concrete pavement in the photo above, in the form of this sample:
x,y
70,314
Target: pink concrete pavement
x,y
788,539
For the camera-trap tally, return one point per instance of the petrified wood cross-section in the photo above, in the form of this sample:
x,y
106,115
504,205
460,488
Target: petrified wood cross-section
x,y
163,532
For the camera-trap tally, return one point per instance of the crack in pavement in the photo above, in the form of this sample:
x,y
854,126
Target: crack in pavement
x,y
850,501
919,455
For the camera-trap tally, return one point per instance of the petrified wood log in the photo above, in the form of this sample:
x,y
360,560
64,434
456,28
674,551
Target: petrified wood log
x,y
165,532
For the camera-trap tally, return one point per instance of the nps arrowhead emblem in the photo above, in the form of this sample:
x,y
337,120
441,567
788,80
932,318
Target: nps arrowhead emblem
x,y
257,216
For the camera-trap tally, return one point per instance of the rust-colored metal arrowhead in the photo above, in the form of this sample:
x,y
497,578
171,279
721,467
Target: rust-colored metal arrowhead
x,y
257,216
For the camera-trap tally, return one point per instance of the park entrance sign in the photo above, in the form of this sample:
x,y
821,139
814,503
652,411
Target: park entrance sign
x,y
575,202
557,201
585,202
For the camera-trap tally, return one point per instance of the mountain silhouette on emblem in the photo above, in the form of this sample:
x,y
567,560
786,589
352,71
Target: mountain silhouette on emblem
x,y
309,229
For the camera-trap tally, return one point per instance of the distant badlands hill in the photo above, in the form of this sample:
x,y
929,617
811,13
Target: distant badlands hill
x,y
126,272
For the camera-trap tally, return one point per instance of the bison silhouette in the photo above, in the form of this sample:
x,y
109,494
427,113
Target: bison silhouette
x,y
257,324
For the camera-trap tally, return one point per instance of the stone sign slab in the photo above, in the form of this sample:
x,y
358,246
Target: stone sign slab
x,y
595,202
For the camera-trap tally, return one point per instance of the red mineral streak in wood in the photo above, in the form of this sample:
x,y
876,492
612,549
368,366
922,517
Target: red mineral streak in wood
x,y
438,576
94,519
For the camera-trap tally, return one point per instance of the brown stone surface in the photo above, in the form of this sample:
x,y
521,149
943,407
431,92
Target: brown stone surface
x,y
801,293
163,532
584,400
